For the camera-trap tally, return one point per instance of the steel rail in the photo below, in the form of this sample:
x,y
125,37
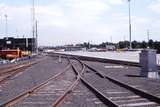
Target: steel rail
x,y
32,90
17,67
71,88
107,101
128,87
9,66
12,72
100,95
137,91
3,72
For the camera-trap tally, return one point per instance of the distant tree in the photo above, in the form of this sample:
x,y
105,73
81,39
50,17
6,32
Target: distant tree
x,y
126,43
143,44
121,45
79,45
157,46
85,44
151,44
134,44
102,45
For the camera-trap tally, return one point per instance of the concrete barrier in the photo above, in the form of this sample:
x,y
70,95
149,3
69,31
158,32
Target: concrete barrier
x,y
87,58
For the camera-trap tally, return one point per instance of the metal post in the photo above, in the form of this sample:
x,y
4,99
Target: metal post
x,y
36,37
111,39
130,34
148,34
33,26
6,28
60,59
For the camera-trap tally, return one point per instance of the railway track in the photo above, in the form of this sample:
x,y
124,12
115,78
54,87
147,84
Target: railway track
x,y
106,91
118,93
54,90
10,72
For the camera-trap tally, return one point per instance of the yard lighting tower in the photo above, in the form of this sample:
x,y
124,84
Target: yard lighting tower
x,y
130,28
36,39
6,28
33,26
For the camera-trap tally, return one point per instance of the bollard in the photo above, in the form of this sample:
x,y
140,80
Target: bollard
x,y
148,63
158,62
60,59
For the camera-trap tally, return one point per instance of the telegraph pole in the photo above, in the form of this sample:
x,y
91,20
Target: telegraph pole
x,y
130,28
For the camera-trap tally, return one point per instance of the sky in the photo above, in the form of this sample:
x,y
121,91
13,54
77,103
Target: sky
x,y
62,22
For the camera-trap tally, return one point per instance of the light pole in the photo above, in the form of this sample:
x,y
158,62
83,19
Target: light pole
x,y
148,37
33,26
6,28
36,39
130,28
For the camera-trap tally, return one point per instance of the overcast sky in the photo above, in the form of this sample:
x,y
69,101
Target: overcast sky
x,y
77,21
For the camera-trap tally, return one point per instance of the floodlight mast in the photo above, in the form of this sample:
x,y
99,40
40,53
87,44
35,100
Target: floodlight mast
x,y
6,26
36,39
33,26
130,26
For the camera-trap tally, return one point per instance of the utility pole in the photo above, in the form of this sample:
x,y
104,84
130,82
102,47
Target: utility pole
x,y
130,28
6,26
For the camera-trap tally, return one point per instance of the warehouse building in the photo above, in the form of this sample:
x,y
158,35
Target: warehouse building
x,y
24,44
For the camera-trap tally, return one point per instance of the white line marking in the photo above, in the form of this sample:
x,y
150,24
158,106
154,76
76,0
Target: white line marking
x,y
98,102
131,100
138,104
125,97
116,92
35,103
117,67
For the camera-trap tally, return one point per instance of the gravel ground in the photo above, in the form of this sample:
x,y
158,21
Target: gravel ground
x,y
77,65
46,96
116,93
82,97
129,75
31,77
10,65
